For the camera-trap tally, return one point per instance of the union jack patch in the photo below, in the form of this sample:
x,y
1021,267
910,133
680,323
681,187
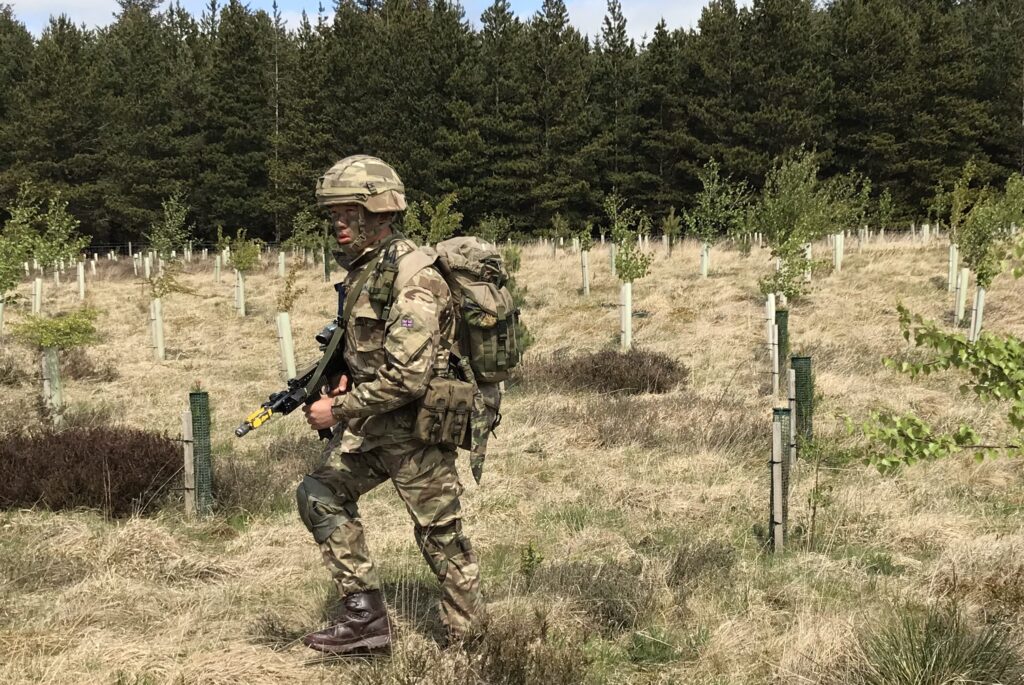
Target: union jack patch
x,y
406,322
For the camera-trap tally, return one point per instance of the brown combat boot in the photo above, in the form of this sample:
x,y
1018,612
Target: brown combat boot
x,y
364,626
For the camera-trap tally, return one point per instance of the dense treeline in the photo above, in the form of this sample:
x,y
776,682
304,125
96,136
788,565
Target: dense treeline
x,y
521,118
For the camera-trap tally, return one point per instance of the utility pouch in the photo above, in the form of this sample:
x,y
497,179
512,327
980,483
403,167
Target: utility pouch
x,y
444,412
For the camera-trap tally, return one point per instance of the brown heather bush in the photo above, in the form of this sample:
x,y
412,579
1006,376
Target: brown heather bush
x,y
606,371
117,470
76,364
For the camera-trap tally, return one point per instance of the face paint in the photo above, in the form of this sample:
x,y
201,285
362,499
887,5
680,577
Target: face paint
x,y
353,218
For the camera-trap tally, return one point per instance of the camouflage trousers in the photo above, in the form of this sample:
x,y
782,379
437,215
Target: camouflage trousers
x,y
427,482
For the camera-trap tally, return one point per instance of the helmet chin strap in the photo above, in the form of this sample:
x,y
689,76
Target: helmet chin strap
x,y
359,237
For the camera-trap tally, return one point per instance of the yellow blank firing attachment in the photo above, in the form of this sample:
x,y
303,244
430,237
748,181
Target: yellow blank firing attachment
x,y
254,420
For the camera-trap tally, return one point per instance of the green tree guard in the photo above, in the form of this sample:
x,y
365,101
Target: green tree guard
x,y
782,321
199,404
804,398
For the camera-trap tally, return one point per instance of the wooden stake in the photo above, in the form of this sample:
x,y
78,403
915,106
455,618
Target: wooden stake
x,y
37,296
189,465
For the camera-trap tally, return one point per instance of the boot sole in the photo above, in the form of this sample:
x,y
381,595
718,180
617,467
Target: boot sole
x,y
357,647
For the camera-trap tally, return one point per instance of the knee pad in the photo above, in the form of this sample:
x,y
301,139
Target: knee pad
x,y
321,510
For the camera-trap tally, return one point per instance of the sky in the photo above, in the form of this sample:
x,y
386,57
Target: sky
x,y
586,15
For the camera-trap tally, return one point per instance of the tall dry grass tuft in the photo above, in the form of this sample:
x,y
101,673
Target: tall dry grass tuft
x,y
936,644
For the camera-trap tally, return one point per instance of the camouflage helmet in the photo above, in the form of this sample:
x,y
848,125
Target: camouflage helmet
x,y
363,180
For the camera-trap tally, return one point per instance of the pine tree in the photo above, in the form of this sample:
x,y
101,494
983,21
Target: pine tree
x,y
502,116
133,69
563,116
665,145
789,79
54,123
305,143
615,82
723,102
873,116
238,122
15,56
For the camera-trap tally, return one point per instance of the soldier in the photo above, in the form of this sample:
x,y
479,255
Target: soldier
x,y
395,342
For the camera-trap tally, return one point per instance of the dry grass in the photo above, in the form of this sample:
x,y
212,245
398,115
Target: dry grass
x,y
641,509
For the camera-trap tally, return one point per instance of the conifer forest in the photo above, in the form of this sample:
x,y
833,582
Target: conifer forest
x,y
523,118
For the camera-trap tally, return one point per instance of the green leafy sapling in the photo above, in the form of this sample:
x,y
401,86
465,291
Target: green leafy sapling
x,y
50,335
307,232
718,208
245,252
59,239
493,228
626,222
795,209
884,210
172,230
429,224
994,370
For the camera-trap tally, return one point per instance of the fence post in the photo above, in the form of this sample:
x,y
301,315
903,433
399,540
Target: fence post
x,y
190,466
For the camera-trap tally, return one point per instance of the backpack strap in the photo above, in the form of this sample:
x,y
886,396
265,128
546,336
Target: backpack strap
x,y
339,332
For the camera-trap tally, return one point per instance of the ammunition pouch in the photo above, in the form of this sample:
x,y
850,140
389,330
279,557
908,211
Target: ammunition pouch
x,y
444,412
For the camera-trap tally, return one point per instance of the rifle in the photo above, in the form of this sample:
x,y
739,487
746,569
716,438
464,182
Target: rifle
x,y
306,387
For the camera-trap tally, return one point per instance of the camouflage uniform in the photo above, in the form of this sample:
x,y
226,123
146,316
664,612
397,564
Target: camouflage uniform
x,y
391,361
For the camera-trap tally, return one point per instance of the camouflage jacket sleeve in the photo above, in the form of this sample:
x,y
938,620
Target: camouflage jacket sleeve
x,y
412,338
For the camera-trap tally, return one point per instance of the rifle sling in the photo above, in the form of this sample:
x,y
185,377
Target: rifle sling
x,y
312,388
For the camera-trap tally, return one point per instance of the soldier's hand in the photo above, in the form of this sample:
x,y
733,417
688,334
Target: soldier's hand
x,y
339,389
318,414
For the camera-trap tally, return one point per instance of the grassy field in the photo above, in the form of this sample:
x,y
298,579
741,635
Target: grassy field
x,y
621,536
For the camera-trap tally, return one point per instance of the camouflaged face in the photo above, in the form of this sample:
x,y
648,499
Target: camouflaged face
x,y
363,180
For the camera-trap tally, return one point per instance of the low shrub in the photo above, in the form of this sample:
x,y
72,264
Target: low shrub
x,y
693,561
12,373
117,470
617,596
76,364
523,650
933,645
606,371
